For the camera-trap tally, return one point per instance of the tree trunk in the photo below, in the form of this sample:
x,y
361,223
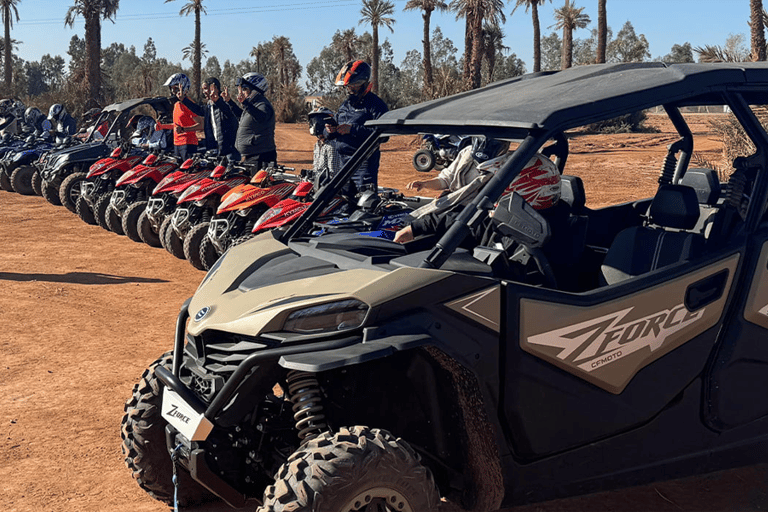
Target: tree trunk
x,y
7,68
93,57
567,56
467,46
602,31
196,79
477,48
428,80
536,37
375,63
757,31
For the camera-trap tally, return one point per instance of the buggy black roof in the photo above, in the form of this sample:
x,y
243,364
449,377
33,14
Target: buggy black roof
x,y
576,96
160,104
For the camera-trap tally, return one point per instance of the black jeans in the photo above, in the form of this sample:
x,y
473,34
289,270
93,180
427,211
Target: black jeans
x,y
259,161
185,151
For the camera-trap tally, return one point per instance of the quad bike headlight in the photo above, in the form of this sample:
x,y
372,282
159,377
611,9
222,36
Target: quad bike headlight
x,y
188,192
337,316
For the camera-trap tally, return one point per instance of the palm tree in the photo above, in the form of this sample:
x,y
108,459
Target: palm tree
x,y
475,12
756,28
195,6
569,18
534,6
92,12
346,43
376,13
9,10
493,36
428,6
602,32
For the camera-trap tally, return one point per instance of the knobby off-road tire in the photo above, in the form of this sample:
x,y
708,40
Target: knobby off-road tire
x,y
5,179
240,240
171,241
37,182
144,446
84,211
21,180
130,220
69,190
358,469
192,243
147,233
423,160
114,220
208,253
100,211
50,193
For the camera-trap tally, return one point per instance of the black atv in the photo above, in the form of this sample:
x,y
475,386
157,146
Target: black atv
x,y
517,355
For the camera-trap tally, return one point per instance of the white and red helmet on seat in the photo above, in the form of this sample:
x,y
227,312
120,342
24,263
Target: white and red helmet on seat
x,y
538,183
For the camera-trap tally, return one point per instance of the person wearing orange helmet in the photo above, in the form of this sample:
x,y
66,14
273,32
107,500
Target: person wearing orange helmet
x,y
360,106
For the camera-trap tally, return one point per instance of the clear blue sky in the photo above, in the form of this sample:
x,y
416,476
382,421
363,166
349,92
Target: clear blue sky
x,y
232,28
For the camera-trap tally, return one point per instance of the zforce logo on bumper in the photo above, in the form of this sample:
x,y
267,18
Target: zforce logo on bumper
x,y
602,341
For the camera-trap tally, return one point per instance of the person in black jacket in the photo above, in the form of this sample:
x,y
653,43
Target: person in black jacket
x,y
360,106
219,119
256,131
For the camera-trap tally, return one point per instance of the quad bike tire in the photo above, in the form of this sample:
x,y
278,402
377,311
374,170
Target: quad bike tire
x,y
424,160
171,241
193,243
147,233
356,468
100,211
69,190
5,179
144,446
208,253
21,180
240,240
130,220
84,211
37,182
113,219
50,193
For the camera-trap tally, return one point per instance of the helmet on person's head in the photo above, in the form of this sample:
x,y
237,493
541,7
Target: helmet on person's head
x,y
179,79
32,115
355,72
144,127
318,118
538,183
56,112
485,148
254,81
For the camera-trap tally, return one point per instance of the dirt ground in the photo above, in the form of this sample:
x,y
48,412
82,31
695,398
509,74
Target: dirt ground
x,y
84,311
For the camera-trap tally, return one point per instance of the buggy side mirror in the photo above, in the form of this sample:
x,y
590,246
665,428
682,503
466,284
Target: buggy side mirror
x,y
517,219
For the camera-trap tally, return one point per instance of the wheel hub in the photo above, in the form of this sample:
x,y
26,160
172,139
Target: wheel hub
x,y
378,499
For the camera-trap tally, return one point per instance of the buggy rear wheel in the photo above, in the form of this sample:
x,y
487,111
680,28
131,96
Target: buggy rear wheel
x,y
358,469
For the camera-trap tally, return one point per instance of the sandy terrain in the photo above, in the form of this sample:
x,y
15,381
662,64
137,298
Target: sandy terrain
x,y
84,311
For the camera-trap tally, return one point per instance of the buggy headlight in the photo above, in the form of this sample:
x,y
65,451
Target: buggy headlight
x,y
331,317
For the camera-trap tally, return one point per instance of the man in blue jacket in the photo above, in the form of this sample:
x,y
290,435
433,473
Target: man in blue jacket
x,y
360,106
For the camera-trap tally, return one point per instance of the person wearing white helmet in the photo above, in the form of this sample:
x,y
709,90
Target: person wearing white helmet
x,y
185,123
255,138
62,124
538,183
325,158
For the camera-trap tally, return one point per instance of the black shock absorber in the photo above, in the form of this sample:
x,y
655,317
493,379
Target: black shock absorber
x,y
304,392
206,215
668,170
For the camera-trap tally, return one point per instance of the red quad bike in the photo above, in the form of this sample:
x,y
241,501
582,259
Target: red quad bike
x,y
241,207
156,218
195,208
96,189
133,188
291,208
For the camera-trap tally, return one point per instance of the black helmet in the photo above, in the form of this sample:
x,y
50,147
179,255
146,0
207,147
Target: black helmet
x,y
485,148
318,118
